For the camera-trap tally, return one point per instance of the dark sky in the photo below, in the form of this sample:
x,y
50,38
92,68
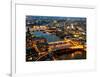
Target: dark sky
x,y
28,17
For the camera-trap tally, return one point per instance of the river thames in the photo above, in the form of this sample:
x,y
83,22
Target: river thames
x,y
48,36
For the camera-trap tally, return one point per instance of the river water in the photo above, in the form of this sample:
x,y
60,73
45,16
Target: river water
x,y
48,36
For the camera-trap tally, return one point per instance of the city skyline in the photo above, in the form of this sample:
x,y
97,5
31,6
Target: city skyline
x,y
49,19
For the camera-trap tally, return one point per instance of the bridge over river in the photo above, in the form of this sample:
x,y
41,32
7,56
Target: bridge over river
x,y
67,47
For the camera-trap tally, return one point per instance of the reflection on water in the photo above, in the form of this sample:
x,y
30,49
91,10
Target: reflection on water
x,y
49,37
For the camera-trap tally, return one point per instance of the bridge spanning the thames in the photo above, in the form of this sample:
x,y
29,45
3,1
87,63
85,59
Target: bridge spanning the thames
x,y
69,45
65,44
